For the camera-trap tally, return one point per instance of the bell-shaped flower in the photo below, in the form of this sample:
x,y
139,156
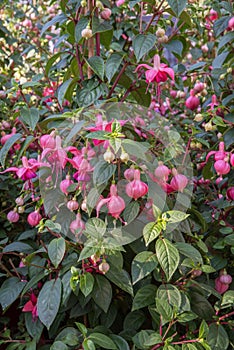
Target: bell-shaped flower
x,y
114,203
136,188
160,72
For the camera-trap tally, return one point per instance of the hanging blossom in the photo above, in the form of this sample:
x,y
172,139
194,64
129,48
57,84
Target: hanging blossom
x,y
158,73
115,203
56,155
31,306
28,169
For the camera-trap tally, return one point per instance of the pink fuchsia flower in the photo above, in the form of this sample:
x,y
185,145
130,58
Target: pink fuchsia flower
x,y
218,155
179,181
6,137
56,155
13,216
192,101
31,306
221,287
162,172
48,141
115,203
230,193
72,205
158,73
231,23
212,16
232,159
34,218
214,102
129,174
120,3
65,184
77,225
136,188
221,167
28,170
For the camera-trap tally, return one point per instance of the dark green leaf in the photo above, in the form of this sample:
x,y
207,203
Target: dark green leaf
x,y
102,340
142,44
103,171
10,291
86,283
56,250
217,337
177,6
112,65
62,90
168,257
142,265
102,292
48,301
145,296
151,231
30,116
7,146
97,65
18,247
120,278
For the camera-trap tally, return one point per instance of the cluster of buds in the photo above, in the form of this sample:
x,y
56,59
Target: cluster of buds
x,y
162,37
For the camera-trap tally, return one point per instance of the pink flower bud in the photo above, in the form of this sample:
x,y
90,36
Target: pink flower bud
x,y
225,278
198,87
204,48
232,160
34,218
129,174
179,182
65,184
231,23
72,205
221,287
221,167
106,13
77,224
120,2
173,93
162,171
19,201
104,267
136,188
47,141
196,273
192,102
230,193
213,15
13,216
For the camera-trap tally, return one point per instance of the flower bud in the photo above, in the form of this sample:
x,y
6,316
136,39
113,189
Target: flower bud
x,y
221,167
204,48
86,33
198,117
232,159
192,102
65,184
198,87
179,182
108,156
124,157
47,141
226,279
230,193
160,32
21,210
106,13
231,23
129,174
162,172
19,201
221,287
72,205
34,218
104,267
13,216
136,188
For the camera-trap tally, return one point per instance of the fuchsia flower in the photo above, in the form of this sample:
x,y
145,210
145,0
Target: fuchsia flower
x,y
115,203
31,306
179,181
158,73
56,155
13,216
218,155
65,184
162,172
136,188
28,170
222,282
221,167
77,224
230,193
192,101
214,102
34,218
6,137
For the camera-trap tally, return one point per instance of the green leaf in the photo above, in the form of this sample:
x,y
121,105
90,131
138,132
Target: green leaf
x,y
141,95
34,326
164,309
120,278
86,283
48,301
228,137
102,292
102,340
228,298
82,328
95,227
112,65
168,257
96,63
7,146
131,212
142,265
154,339
62,90
100,26
81,24
142,44
89,94
145,296
51,61
219,60
229,239
203,329
188,250
177,6
58,345
220,25
173,216
175,46
18,247
151,231
69,336
227,38
201,306
103,171
56,250
88,345
61,18
137,149
10,290
171,294
120,342
30,116
189,347
217,337
134,320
